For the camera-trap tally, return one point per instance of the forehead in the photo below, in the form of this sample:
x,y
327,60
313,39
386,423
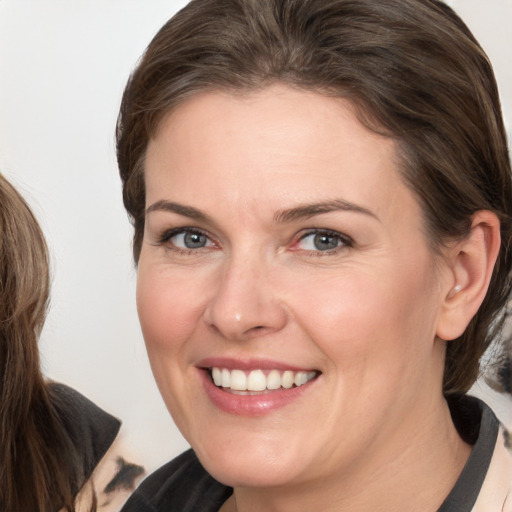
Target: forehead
x,y
289,144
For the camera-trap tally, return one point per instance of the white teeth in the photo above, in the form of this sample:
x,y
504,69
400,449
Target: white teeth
x,y
217,376
300,378
257,380
287,379
226,378
238,380
273,380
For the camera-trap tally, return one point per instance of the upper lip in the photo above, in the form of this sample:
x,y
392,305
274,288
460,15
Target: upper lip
x,y
250,364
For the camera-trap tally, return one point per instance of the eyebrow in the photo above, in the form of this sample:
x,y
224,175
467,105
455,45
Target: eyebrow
x,y
307,211
304,211
180,209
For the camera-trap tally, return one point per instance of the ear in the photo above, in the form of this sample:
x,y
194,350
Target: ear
x,y
471,262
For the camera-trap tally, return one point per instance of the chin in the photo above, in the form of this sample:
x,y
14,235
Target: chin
x,y
255,465
236,473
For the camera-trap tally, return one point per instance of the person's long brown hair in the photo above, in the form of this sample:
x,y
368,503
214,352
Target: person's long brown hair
x,y
413,69
39,467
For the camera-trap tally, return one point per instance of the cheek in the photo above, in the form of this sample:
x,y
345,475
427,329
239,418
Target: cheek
x,y
169,307
373,321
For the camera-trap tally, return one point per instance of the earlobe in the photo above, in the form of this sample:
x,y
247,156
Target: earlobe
x,y
471,262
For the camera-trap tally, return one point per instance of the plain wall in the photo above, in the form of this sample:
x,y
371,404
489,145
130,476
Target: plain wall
x,y
63,65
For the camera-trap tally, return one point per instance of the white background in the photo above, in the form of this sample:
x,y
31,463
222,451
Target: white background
x,y
63,66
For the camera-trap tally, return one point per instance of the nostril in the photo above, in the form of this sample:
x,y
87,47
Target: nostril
x,y
257,330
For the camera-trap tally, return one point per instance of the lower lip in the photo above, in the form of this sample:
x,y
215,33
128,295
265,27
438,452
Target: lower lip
x,y
251,405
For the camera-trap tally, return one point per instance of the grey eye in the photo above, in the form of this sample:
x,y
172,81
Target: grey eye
x,y
320,242
325,242
190,240
194,240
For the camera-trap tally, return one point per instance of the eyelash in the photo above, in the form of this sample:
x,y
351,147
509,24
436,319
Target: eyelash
x,y
345,241
166,236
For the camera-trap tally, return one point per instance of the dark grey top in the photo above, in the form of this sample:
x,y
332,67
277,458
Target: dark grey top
x,y
90,429
183,485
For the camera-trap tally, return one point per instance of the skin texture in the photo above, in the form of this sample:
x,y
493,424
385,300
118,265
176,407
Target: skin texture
x,y
366,315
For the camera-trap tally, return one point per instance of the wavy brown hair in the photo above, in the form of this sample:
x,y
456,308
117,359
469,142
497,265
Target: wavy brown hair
x,y
40,470
411,67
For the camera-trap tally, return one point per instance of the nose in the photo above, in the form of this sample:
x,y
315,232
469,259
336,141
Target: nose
x,y
245,303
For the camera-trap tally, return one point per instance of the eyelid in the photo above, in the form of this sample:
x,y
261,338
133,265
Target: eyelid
x,y
166,235
346,241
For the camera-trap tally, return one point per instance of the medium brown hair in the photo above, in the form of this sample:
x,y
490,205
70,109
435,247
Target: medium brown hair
x,y
40,469
411,67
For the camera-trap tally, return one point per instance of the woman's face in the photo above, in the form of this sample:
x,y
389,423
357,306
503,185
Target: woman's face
x,y
283,252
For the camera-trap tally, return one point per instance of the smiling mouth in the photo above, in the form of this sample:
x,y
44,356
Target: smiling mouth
x,y
259,381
